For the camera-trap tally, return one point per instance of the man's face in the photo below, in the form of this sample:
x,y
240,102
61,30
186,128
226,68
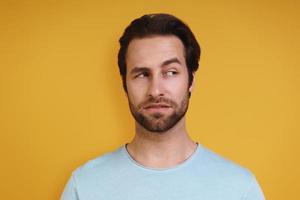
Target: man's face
x,y
157,82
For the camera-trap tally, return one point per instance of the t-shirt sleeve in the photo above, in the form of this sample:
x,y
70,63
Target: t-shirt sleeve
x,y
70,191
254,191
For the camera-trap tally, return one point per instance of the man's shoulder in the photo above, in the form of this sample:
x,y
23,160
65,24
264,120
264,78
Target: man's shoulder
x,y
226,175
102,163
221,166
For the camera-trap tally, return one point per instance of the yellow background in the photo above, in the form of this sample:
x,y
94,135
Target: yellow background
x,y
62,103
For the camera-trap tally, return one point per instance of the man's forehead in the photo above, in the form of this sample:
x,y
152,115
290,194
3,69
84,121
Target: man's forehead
x,y
148,40
156,49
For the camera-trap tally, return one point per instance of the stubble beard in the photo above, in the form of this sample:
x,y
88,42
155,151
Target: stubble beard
x,y
160,122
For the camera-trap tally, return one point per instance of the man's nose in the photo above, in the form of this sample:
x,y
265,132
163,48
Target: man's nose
x,y
156,86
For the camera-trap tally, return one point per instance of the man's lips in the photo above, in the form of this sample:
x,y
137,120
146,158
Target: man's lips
x,y
157,107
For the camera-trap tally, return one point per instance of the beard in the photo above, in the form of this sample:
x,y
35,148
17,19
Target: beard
x,y
159,122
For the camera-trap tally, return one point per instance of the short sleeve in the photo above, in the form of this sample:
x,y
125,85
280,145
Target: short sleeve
x,y
70,192
254,191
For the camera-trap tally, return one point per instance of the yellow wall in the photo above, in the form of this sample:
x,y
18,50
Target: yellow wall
x,y
62,103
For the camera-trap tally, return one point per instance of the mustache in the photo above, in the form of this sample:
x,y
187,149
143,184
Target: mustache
x,y
152,100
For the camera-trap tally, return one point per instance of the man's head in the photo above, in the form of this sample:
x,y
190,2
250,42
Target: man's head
x,y
160,24
157,60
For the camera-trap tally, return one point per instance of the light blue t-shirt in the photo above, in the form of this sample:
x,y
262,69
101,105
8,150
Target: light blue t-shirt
x,y
203,176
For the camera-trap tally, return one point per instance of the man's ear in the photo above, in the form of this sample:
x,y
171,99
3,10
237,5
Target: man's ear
x,y
193,83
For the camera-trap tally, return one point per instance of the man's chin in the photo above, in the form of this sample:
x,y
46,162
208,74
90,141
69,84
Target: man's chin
x,y
155,128
156,124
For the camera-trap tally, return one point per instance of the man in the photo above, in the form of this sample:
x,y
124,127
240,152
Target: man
x,y
157,60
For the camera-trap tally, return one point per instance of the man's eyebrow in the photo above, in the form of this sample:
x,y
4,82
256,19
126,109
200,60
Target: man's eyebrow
x,y
170,61
137,69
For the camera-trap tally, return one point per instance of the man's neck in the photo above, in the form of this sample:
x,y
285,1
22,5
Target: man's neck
x,y
162,150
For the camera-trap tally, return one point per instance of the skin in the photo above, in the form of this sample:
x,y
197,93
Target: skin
x,y
157,88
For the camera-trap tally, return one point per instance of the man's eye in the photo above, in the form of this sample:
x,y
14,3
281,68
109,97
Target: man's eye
x,y
171,73
142,75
